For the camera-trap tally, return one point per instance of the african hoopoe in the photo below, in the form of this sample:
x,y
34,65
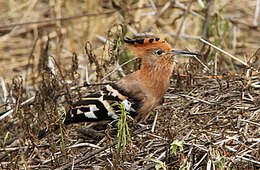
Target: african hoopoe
x,y
139,92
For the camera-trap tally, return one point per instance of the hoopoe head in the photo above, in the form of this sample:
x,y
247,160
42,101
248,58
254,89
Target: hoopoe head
x,y
152,50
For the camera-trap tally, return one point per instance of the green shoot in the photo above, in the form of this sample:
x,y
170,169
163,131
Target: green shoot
x,y
6,136
175,144
159,164
123,133
25,163
188,166
220,161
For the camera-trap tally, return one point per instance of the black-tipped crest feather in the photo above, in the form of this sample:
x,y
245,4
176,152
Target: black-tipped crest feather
x,y
141,40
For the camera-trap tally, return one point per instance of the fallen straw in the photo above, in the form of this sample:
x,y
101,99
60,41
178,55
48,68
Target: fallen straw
x,y
235,58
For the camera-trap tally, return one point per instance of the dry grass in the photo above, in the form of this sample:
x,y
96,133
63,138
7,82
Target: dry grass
x,y
216,119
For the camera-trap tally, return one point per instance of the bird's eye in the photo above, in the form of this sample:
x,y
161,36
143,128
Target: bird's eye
x,y
159,52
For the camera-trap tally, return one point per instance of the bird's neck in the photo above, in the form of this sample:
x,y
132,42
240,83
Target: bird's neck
x,y
156,77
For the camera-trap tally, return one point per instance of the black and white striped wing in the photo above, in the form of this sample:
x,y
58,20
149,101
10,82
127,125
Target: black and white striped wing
x,y
99,106
253,78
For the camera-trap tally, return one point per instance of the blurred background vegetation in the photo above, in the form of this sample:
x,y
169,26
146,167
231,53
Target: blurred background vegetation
x,y
84,39
26,26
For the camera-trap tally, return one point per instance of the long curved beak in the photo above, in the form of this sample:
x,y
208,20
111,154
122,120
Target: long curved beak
x,y
175,52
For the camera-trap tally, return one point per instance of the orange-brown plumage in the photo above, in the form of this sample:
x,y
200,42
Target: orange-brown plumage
x,y
151,82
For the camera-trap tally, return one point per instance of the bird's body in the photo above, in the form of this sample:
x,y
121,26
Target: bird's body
x,y
139,92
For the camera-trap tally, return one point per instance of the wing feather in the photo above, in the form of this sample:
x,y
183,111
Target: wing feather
x,y
97,107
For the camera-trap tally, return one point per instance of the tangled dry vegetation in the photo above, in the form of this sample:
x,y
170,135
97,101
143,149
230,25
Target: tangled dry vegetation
x,y
46,64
